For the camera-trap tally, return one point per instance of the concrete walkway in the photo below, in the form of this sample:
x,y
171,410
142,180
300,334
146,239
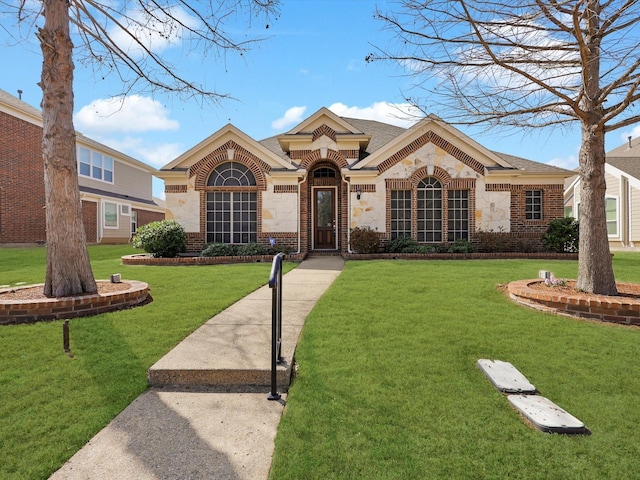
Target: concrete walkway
x,y
206,415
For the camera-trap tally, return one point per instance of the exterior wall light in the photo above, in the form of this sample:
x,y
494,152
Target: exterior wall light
x,y
358,193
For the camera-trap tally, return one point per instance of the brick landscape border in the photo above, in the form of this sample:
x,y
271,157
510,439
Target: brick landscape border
x,y
14,312
614,309
146,259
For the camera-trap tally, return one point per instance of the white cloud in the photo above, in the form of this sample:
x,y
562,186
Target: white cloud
x,y
291,117
569,162
156,154
399,114
624,135
132,113
157,30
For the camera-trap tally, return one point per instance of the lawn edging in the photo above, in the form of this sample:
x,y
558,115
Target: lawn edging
x,y
605,308
148,259
14,312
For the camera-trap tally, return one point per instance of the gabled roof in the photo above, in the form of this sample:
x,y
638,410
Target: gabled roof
x,y
303,133
324,116
218,139
443,130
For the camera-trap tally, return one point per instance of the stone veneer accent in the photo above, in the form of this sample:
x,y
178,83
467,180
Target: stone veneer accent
x,y
31,311
431,137
615,309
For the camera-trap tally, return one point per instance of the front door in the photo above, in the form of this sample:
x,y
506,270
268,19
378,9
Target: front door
x,y
325,219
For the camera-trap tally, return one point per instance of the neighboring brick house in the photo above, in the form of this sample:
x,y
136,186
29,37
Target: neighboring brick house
x,y
308,188
115,189
622,197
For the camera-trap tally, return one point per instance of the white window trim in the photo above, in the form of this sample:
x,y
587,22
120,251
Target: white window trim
x,y
122,209
104,218
617,200
90,176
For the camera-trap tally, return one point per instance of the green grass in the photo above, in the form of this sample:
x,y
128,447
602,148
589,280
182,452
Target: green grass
x,y
388,387
52,404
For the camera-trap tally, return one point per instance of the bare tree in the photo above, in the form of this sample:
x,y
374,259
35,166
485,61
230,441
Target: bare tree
x,y
124,37
534,63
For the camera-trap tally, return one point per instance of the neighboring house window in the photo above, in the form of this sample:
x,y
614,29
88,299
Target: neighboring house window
x,y
611,207
533,205
95,165
232,216
429,210
458,209
125,210
568,212
110,215
400,213
134,221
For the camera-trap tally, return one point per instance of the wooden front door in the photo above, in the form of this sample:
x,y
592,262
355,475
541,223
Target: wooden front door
x,y
324,219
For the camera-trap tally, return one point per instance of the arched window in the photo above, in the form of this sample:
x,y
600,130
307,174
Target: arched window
x,y
231,174
429,210
232,216
324,172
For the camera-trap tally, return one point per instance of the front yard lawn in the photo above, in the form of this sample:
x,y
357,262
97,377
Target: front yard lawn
x,y
52,404
388,387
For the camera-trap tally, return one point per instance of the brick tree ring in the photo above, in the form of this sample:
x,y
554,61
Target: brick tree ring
x,y
622,309
27,304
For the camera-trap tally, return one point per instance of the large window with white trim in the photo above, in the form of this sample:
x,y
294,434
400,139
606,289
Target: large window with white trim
x,y
232,216
95,165
110,215
429,210
611,208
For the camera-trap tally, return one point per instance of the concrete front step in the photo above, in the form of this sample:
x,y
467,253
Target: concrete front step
x,y
237,381
232,351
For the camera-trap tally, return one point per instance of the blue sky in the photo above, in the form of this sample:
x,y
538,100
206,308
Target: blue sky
x,y
312,56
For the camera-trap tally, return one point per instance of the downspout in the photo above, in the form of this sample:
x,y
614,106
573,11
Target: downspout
x,y
348,214
299,216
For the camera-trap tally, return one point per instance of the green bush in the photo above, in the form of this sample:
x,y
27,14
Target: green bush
x,y
462,246
402,245
164,238
279,248
252,249
364,240
219,250
562,235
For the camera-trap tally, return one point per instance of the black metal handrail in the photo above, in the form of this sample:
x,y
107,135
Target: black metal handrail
x,y
275,284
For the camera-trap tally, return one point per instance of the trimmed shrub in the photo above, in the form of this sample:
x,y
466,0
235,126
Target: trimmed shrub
x,y
364,240
562,235
461,246
280,248
164,238
402,245
251,249
218,250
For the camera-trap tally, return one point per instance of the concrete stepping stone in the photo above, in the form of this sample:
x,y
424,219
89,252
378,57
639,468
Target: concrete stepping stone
x,y
505,377
546,416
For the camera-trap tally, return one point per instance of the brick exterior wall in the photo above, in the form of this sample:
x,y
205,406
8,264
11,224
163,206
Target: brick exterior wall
x,y
146,216
22,197
22,214
90,221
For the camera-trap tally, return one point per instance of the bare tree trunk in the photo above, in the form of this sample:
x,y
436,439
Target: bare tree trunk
x,y
68,267
595,269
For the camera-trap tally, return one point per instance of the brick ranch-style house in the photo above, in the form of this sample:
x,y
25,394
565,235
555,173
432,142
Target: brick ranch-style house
x,y
308,188
115,189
